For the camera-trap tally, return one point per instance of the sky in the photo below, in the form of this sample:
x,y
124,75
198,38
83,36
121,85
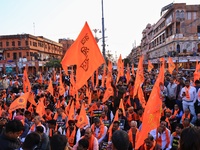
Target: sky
x,y
55,19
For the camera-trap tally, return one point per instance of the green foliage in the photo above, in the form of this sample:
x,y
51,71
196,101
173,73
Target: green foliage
x,y
54,63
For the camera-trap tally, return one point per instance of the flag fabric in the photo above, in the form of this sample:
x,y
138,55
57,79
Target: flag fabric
x,y
40,108
139,76
26,82
31,99
121,105
152,112
20,102
61,86
128,74
109,89
120,68
50,87
109,66
72,89
116,118
82,118
141,97
150,66
85,54
71,112
197,72
97,78
103,76
171,65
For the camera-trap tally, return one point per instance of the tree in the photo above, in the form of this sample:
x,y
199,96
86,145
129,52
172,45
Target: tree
x,y
53,63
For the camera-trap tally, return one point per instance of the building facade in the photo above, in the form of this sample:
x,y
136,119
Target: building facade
x,y
18,50
176,34
66,44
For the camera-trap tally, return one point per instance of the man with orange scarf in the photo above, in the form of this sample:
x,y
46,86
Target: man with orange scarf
x,y
175,136
73,134
150,144
162,135
93,142
37,122
133,133
188,95
99,130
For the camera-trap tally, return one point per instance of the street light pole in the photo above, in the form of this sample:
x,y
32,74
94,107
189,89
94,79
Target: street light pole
x,y
103,31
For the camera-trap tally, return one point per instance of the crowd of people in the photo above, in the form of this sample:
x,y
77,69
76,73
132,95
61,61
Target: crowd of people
x,y
113,124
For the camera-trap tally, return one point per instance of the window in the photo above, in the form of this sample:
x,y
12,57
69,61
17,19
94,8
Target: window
x,y
8,55
189,15
13,43
194,15
20,54
31,53
1,44
177,14
27,53
19,43
7,43
14,56
26,43
182,14
30,43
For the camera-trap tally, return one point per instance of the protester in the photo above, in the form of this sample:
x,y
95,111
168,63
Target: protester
x,y
32,141
10,138
59,142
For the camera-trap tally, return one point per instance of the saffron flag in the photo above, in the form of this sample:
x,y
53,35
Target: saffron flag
x,y
103,76
153,108
20,102
50,87
120,68
26,82
61,86
121,105
109,89
197,72
139,76
141,97
82,118
85,54
109,66
128,74
31,99
71,112
40,108
171,65
150,66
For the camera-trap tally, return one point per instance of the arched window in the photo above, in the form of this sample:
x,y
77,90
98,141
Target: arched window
x,y
182,16
177,14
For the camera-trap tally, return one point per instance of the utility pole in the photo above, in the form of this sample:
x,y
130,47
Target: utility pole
x,y
103,31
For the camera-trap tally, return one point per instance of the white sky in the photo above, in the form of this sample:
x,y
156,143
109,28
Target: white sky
x,y
54,19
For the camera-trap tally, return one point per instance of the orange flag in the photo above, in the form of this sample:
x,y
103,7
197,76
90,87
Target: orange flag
x,y
20,102
109,90
121,105
141,97
50,87
26,82
31,99
61,86
171,65
103,76
116,118
120,68
72,89
82,118
109,66
92,80
40,108
71,112
85,54
197,72
128,74
152,112
139,76
150,66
